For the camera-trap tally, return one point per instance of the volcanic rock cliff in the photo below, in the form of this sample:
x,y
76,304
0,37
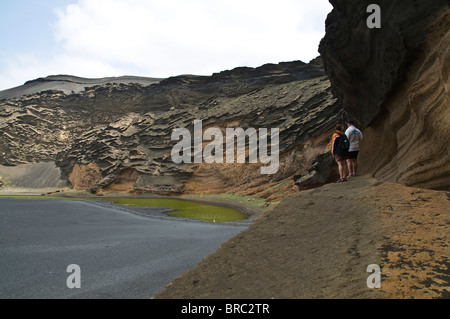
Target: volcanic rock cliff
x,y
395,81
117,136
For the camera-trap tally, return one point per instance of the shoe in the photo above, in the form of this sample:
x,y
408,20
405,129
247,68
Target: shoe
x,y
341,180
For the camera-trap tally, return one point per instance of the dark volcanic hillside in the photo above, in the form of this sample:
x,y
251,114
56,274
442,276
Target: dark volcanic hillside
x,y
117,136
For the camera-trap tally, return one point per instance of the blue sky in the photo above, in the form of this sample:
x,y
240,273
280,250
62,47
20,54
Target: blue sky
x,y
154,38
26,23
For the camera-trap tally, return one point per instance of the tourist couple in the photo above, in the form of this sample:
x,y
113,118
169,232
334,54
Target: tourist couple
x,y
345,148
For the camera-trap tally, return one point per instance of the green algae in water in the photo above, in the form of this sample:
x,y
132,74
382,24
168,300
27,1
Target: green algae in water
x,y
185,209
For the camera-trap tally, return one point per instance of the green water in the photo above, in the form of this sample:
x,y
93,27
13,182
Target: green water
x,y
186,209
181,208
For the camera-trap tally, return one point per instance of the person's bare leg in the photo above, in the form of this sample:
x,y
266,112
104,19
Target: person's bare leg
x,y
349,165
353,165
342,170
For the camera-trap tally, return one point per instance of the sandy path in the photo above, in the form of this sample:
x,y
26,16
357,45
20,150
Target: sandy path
x,y
318,244
415,248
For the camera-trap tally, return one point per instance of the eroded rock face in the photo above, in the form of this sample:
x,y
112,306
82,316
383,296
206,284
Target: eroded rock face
x,y
84,177
365,64
112,136
395,82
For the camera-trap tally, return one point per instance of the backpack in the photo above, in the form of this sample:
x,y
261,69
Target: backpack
x,y
343,145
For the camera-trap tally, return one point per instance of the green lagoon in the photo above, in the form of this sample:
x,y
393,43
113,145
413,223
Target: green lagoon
x,y
185,208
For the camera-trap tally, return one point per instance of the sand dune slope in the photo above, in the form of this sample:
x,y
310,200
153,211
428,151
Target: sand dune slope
x,y
319,243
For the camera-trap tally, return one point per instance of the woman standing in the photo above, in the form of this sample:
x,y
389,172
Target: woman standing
x,y
339,150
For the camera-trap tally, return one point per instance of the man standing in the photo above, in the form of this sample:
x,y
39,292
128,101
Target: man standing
x,y
354,136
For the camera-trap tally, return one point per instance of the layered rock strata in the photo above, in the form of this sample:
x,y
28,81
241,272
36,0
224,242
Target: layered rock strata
x,y
117,136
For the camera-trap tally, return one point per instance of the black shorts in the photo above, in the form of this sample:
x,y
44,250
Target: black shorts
x,y
352,155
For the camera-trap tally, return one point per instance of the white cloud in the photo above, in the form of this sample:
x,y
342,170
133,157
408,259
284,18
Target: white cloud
x,y
100,38
28,66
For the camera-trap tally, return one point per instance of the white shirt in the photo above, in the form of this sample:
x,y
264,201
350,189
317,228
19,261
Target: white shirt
x,y
354,137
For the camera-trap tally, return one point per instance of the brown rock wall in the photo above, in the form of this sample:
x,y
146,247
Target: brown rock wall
x,y
395,82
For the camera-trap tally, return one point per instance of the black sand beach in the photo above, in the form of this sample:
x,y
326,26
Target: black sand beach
x,y
121,254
